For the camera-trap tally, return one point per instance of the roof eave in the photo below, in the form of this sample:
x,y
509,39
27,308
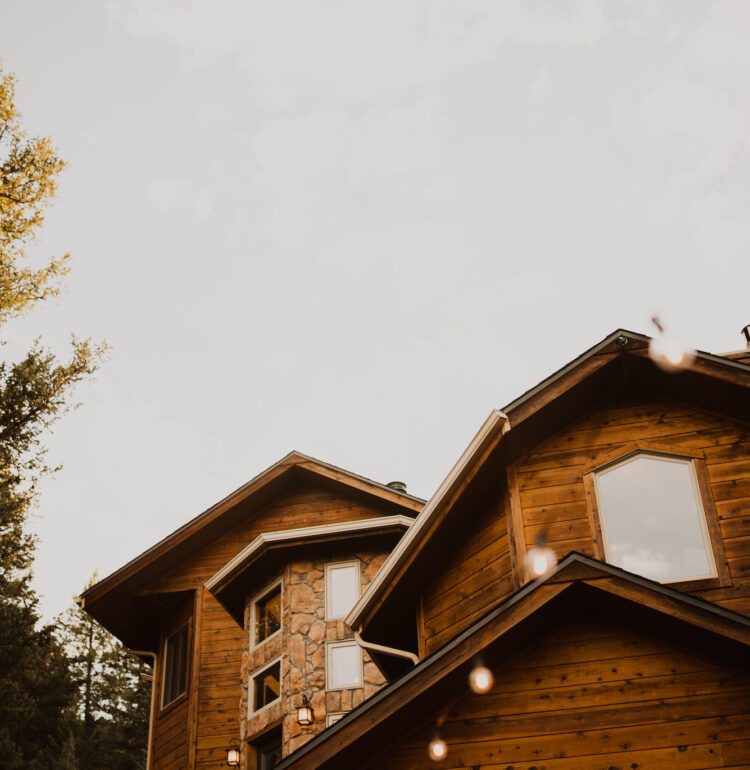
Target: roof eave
x,y
493,427
290,461
556,575
290,537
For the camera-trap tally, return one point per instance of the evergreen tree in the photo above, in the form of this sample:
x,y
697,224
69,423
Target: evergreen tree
x,y
113,697
36,688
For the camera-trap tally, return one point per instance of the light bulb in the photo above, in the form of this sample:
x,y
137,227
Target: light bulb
x,y
481,680
540,560
438,749
667,352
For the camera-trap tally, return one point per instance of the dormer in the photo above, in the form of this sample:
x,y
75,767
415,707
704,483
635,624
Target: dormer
x,y
611,457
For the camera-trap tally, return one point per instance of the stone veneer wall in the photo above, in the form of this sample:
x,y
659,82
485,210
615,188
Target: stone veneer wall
x,y
302,648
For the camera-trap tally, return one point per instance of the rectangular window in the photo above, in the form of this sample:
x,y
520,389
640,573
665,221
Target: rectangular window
x,y
266,686
342,588
331,719
343,665
175,665
267,614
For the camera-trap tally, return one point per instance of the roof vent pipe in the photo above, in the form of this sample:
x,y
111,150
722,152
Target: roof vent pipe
x,y
399,486
745,331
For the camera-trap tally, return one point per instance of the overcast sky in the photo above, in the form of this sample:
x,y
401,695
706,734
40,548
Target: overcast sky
x,y
353,228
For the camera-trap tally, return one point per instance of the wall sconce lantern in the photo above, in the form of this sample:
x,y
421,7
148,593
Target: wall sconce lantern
x,y
305,714
233,753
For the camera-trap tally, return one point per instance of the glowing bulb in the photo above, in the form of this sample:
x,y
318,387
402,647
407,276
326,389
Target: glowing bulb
x,y
540,560
667,352
481,680
438,749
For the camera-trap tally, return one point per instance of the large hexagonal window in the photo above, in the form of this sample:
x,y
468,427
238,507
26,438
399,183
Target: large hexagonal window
x,y
652,518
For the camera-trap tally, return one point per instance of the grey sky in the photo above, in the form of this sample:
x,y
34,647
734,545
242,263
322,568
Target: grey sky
x,y
352,228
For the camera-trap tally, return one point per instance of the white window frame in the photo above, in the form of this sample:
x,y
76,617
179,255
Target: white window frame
x,y
251,712
329,593
329,668
254,644
703,522
334,717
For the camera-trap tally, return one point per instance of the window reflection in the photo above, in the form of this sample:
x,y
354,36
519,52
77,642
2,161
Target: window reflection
x,y
652,518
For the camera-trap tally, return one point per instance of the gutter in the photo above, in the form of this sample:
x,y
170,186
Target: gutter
x,y
152,655
496,424
81,602
385,650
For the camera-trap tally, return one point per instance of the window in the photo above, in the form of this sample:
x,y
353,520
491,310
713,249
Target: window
x,y
652,517
331,719
175,665
343,665
267,614
266,687
342,588
268,751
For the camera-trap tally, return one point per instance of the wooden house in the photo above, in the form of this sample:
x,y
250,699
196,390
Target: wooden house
x,y
574,596
241,611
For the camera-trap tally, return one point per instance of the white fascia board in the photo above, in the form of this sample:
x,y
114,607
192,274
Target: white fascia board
x,y
313,533
497,421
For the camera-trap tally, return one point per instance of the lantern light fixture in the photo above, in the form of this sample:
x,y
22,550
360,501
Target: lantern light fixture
x,y
233,753
438,748
305,714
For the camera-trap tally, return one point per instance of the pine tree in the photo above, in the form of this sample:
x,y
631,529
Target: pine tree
x,y
36,688
113,698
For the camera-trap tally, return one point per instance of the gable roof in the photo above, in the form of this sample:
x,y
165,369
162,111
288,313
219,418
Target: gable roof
x,y
106,599
577,579
229,584
605,367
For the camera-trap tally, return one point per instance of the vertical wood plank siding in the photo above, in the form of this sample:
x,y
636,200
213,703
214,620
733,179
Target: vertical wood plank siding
x,y
589,696
215,700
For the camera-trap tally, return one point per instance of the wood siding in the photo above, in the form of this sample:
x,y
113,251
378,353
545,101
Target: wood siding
x,y
549,489
194,734
592,695
477,575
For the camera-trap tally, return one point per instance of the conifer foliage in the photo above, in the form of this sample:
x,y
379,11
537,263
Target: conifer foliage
x,y
113,695
39,688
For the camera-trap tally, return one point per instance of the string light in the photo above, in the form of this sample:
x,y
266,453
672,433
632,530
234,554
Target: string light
x,y
540,560
667,352
438,748
481,679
